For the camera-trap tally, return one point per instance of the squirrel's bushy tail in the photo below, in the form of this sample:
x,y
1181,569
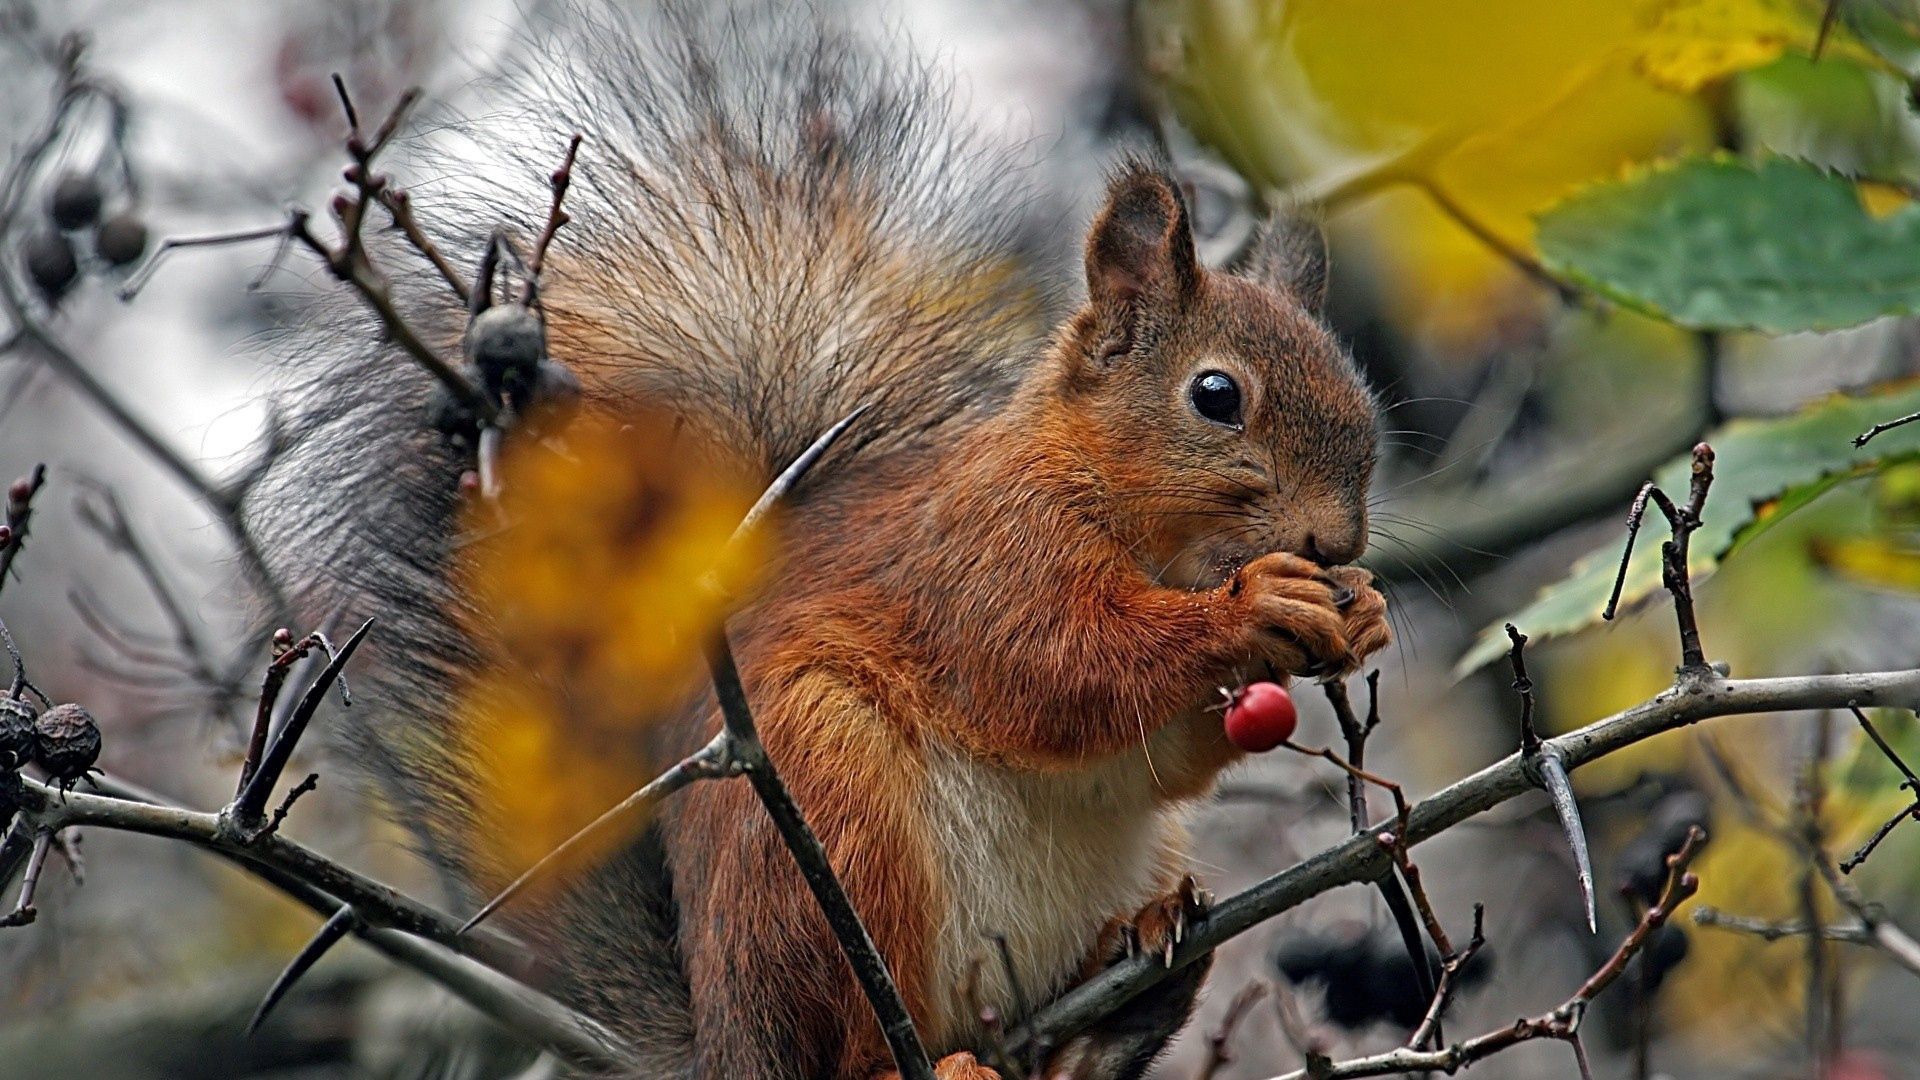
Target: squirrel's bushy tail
x,y
781,226
773,222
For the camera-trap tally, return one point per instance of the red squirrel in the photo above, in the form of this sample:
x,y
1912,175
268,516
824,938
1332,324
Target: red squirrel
x,y
984,660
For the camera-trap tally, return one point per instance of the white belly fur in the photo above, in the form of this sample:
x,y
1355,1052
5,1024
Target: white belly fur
x,y
1044,860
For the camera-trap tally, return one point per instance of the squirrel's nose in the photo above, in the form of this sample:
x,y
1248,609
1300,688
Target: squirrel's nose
x,y
1329,549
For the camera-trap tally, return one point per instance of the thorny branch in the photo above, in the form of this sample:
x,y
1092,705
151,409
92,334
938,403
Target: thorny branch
x,y
1550,772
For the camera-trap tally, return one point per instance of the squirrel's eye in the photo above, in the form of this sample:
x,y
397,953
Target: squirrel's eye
x,y
1216,397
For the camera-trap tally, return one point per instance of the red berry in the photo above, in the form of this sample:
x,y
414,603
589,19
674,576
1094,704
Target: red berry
x,y
1261,717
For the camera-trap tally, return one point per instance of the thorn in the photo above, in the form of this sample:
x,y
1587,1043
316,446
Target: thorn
x,y
335,928
1550,772
792,474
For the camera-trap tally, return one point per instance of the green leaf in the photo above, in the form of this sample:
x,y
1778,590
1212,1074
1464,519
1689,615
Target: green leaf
x,y
1716,243
1763,471
1834,113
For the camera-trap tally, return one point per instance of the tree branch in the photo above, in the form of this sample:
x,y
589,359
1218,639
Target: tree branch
x,y
1698,696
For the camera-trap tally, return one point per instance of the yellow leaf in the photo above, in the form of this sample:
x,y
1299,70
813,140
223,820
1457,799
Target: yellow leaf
x,y
590,609
1695,42
1691,43
1882,200
1502,107
1873,561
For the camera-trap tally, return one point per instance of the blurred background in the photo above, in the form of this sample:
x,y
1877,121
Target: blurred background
x,y
1529,393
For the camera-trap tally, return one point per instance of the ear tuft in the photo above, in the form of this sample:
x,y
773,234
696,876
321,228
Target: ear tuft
x,y
1289,254
1140,249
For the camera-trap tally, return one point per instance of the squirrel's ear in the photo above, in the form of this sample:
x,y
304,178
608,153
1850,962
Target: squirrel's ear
x,y
1289,255
1140,249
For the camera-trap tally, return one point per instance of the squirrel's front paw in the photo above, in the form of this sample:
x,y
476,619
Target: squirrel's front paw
x,y
1164,921
1296,608
1366,611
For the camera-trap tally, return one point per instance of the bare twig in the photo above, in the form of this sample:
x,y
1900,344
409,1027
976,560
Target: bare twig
x,y
1893,941
23,911
30,330
245,813
1635,515
1450,969
129,809
1827,19
399,204
557,218
350,263
1911,784
1393,841
576,1038
109,520
1355,732
1809,804
140,277
19,682
1674,575
286,804
1846,933
1562,1023
18,516
286,654
1566,291
903,1040
1868,435
1220,1040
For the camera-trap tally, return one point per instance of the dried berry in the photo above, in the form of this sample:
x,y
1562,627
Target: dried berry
x,y
1261,717
1666,947
16,733
122,239
555,397
450,416
1368,978
68,743
1643,860
19,491
50,263
507,344
13,795
75,203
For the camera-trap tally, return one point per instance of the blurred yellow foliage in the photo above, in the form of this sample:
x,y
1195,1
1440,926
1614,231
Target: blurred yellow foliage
x,y
1499,108
592,604
1872,560
1694,42
1732,982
